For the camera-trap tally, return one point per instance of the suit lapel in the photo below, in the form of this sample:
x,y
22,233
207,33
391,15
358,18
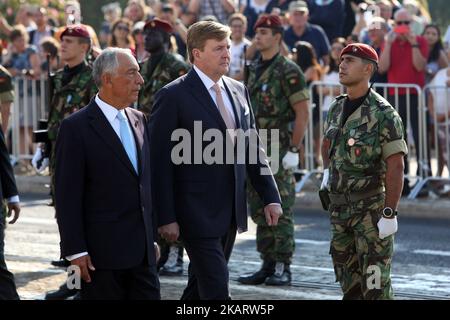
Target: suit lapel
x,y
202,95
104,129
138,131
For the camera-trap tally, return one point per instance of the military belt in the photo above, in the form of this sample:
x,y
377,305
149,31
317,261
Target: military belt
x,y
338,199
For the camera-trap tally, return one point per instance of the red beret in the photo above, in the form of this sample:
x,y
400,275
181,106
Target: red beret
x,y
269,21
362,51
159,24
76,30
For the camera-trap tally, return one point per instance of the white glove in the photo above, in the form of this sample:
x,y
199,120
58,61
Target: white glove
x,y
326,175
290,160
387,227
37,157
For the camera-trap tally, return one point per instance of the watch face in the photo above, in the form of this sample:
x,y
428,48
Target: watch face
x,y
388,212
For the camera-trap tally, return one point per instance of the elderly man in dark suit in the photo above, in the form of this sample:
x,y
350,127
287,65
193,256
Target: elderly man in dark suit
x,y
202,201
8,190
103,187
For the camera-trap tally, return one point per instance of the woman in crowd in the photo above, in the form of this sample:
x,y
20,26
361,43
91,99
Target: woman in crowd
x,y
137,10
121,35
437,58
306,59
23,60
331,75
439,106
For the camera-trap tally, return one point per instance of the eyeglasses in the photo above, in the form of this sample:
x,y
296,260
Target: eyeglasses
x,y
123,28
399,23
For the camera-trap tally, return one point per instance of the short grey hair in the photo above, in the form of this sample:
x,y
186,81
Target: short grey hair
x,y
107,62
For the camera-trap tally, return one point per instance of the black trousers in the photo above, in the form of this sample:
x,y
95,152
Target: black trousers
x,y
208,267
137,283
7,286
414,122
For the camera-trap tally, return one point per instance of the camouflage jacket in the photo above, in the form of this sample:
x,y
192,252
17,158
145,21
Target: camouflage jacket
x,y
168,69
360,146
274,94
67,99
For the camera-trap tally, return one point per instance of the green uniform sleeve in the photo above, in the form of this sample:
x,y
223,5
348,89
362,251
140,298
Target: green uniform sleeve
x,y
294,85
391,135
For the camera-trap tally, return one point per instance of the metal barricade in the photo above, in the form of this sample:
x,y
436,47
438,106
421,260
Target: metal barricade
x,y
30,104
440,133
313,171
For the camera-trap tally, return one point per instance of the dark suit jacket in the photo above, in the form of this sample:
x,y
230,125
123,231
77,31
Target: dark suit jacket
x,y
201,197
103,206
7,181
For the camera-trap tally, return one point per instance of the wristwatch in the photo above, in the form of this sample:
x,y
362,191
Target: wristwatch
x,y
389,213
293,149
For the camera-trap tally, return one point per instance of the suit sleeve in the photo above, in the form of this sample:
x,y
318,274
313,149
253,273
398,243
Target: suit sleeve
x,y
163,121
260,174
8,181
69,189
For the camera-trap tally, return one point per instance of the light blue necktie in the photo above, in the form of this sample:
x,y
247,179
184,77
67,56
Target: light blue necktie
x,y
127,139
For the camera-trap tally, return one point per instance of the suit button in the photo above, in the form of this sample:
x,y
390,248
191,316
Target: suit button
x,y
143,208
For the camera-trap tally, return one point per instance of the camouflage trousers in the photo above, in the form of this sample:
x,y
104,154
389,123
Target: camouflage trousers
x,y
361,260
275,243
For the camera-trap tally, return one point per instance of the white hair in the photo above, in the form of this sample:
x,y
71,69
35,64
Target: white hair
x,y
107,62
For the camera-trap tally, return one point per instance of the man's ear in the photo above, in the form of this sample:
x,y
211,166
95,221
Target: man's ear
x,y
106,79
196,53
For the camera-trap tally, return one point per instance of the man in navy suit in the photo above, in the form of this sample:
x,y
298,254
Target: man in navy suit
x,y
103,192
201,201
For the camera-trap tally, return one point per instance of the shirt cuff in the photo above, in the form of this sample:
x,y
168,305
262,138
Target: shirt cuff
x,y
76,256
274,204
14,199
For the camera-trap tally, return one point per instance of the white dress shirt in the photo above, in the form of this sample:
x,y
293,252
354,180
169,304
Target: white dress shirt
x,y
208,83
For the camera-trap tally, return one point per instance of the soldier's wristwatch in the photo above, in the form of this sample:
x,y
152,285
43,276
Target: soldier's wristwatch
x,y
293,149
389,213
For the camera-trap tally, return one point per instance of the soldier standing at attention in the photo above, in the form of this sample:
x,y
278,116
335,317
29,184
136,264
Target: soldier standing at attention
x,y
363,151
279,96
162,67
71,89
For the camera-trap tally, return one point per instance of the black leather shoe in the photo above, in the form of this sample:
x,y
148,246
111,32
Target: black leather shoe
x,y
267,269
281,276
61,294
174,263
62,263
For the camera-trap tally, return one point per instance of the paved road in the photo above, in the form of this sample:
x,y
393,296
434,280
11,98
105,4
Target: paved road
x,y
421,266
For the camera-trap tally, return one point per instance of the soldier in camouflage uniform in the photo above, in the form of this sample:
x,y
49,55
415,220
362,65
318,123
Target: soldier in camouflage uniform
x,y
279,96
71,89
160,69
363,148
